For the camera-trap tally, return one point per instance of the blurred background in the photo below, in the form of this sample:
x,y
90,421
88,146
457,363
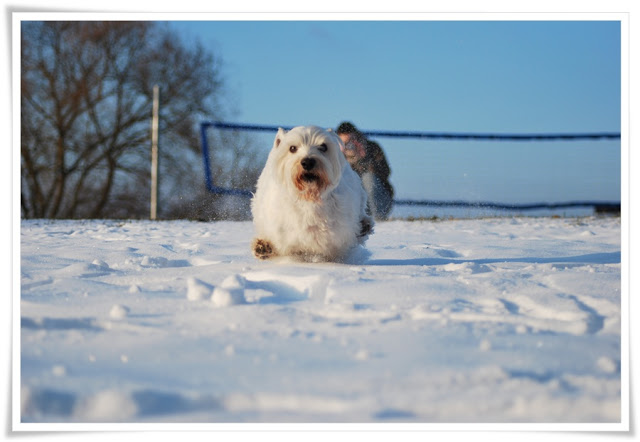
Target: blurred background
x,y
86,105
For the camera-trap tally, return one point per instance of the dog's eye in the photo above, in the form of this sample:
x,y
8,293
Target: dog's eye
x,y
322,147
293,149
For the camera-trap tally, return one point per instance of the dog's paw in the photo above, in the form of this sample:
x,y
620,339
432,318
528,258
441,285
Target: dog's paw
x,y
262,249
366,227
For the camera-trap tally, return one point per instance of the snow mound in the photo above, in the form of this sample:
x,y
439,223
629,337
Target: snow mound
x,y
106,406
119,311
197,290
230,292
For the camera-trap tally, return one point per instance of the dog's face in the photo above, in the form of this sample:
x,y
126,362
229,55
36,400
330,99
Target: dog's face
x,y
308,160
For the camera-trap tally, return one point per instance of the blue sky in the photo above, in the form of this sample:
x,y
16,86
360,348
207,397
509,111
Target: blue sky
x,y
465,76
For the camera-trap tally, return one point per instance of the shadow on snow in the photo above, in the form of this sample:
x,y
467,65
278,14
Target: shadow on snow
x,y
592,258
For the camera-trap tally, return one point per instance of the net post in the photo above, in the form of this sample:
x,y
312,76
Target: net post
x,y
154,153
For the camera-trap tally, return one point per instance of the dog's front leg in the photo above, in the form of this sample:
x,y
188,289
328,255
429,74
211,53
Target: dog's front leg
x,y
262,249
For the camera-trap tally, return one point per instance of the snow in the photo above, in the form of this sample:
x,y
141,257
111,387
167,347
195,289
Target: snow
x,y
508,320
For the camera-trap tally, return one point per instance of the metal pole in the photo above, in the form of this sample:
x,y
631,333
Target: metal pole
x,y
154,153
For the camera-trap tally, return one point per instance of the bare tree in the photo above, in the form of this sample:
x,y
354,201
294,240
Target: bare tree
x,y
85,116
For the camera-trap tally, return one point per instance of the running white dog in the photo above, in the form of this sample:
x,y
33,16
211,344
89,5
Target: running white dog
x,y
309,203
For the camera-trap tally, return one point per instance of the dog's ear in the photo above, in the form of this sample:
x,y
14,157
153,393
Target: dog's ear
x,y
279,136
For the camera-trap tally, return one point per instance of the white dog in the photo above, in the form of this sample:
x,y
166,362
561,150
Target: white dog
x,y
309,203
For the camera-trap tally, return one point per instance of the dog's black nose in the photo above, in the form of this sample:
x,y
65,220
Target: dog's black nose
x,y
308,163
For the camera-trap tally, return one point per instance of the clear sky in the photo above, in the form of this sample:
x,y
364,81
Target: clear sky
x,y
457,76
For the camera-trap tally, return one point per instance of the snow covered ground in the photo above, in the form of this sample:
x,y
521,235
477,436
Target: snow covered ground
x,y
514,320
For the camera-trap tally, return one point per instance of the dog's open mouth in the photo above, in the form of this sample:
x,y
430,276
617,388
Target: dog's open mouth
x,y
311,184
309,177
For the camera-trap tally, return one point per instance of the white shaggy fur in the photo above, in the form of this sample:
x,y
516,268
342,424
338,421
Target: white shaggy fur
x,y
309,203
